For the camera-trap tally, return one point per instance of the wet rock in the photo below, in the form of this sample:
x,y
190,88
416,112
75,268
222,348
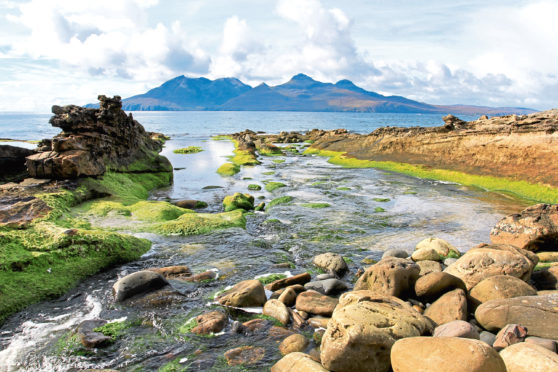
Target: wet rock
x,y
315,303
277,310
12,163
544,342
451,306
480,263
499,287
539,314
534,229
363,328
191,204
94,140
391,276
450,261
211,322
279,333
297,288
526,357
331,262
318,322
547,256
325,276
399,253
244,355
327,286
509,335
244,294
89,338
238,201
457,328
255,325
136,283
293,343
546,279
487,337
20,211
201,277
427,267
288,297
447,354
426,254
440,246
260,207
297,362
158,298
434,285
173,272
292,280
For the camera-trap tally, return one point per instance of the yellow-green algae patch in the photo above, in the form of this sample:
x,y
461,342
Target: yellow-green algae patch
x,y
522,189
198,223
188,150
228,169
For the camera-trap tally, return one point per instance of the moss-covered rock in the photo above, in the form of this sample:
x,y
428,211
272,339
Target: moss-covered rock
x,y
271,186
238,201
228,169
198,223
188,150
281,200
254,187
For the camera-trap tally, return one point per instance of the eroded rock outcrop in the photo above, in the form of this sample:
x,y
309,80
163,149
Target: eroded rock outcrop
x,y
94,141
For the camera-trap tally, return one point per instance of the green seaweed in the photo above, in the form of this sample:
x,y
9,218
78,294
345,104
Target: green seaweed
x,y
522,189
343,188
238,201
280,200
271,278
198,223
228,169
381,200
188,150
278,161
271,186
379,210
114,330
316,205
254,187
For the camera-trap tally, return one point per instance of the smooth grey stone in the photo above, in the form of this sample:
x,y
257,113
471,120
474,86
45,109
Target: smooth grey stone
x,y
136,283
325,276
449,261
488,337
399,253
328,286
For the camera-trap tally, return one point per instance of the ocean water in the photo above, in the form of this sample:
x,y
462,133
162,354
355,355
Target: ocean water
x,y
368,212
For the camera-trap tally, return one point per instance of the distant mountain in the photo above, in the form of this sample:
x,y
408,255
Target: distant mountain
x,y
301,93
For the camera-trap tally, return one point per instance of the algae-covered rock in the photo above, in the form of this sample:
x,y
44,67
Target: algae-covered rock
x,y
136,283
238,201
228,169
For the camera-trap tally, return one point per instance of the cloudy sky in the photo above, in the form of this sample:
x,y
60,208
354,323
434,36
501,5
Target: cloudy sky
x,y
497,52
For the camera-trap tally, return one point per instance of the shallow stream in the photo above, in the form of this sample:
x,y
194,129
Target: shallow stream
x,y
365,212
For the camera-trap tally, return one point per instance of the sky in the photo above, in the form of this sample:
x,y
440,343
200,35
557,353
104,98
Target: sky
x,y
490,52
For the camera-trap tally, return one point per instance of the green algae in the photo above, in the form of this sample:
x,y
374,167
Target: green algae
x,y
270,151
379,210
522,189
381,200
197,223
188,150
344,188
228,169
115,330
316,205
278,161
238,201
271,186
271,278
281,200
270,173
254,187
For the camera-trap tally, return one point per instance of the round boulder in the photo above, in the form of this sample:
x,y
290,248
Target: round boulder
x,y
499,287
136,283
457,328
527,357
211,322
444,354
449,307
293,343
433,285
295,362
427,267
244,294
331,262
391,276
316,303
442,247
277,310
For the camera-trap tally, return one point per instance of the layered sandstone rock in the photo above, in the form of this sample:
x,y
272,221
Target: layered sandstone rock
x,y
520,147
94,141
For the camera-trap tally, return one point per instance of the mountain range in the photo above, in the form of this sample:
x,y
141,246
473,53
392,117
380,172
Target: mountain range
x,y
301,93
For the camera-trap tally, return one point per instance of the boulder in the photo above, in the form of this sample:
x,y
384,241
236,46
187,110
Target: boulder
x,y
190,204
244,294
90,338
548,256
200,277
331,262
527,357
427,267
288,297
539,314
316,303
544,342
534,229
363,328
19,211
327,286
399,253
211,322
391,276
293,343
12,163
444,354
277,310
297,362
244,355
546,279
433,285
491,260
238,201
136,283
96,140
318,322
449,307
442,247
426,254
302,278
173,272
457,328
500,287
509,335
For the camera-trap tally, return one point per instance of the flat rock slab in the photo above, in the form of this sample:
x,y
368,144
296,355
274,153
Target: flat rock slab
x,y
211,322
391,276
136,283
247,293
539,314
292,280
316,303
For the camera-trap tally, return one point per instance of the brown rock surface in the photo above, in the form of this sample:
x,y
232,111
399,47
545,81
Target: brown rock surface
x,y
286,282
457,328
244,294
449,307
211,322
444,354
539,314
427,267
391,276
293,343
519,147
509,335
491,260
277,310
95,140
316,303
435,284
546,279
526,357
499,287
331,262
534,229
288,296
297,362
173,272
363,328
245,355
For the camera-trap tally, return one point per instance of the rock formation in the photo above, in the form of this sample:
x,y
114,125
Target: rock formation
x,y
12,162
94,141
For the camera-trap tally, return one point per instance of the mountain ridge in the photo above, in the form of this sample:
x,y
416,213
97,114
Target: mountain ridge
x,y
300,93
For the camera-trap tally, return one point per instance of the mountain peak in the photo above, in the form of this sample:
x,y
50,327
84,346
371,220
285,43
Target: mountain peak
x,y
302,77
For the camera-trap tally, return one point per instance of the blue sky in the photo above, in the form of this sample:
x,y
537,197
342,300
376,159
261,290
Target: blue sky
x,y
497,53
